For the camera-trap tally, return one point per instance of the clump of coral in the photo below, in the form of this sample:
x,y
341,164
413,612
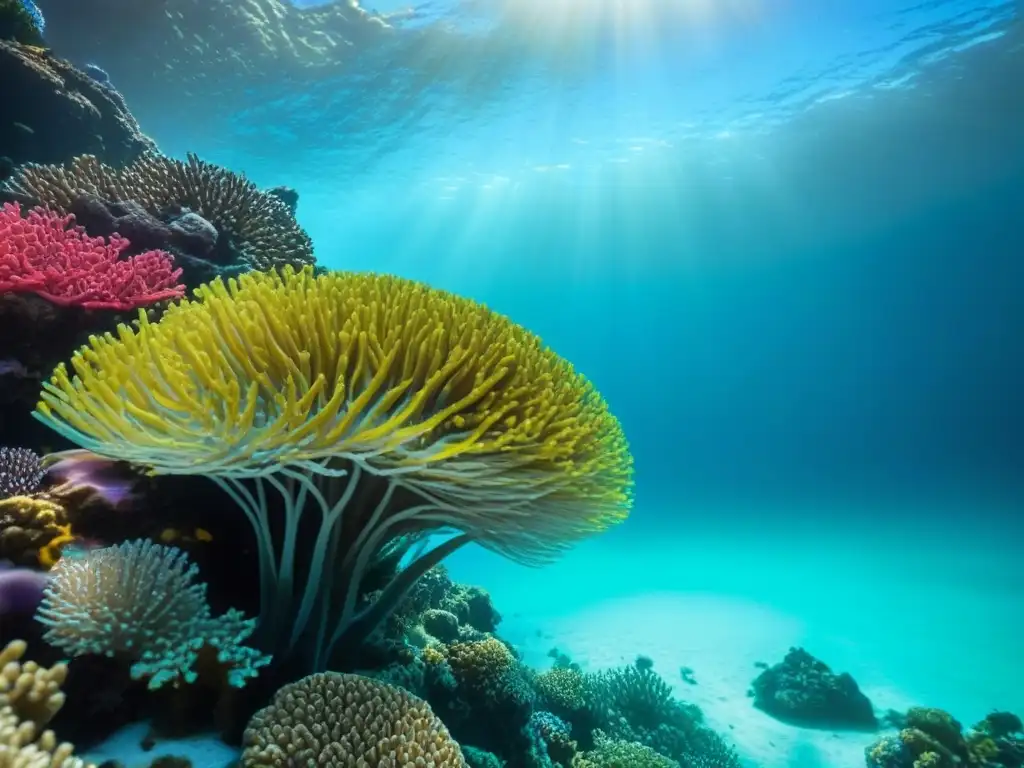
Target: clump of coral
x,y
197,209
140,600
804,690
933,738
30,696
21,471
347,721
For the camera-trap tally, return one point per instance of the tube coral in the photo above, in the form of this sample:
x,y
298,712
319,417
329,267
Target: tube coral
x,y
394,409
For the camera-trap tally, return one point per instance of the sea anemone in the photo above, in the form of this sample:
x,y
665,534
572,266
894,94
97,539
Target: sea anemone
x,y
395,410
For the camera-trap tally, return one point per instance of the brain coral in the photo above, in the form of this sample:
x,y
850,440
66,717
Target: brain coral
x,y
338,720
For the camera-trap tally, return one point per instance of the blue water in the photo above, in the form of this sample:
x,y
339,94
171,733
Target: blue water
x,y
784,240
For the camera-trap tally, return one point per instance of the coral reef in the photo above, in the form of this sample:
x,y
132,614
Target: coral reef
x,y
213,219
347,720
329,383
803,690
53,111
933,738
139,600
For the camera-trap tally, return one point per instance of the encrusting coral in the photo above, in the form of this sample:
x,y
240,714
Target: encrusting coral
x,y
30,696
430,410
139,600
257,224
347,721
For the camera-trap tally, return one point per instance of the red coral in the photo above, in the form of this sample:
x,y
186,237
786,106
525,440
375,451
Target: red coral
x,y
46,254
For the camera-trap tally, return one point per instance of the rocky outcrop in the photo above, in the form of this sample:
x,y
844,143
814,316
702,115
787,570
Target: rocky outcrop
x,y
803,690
52,111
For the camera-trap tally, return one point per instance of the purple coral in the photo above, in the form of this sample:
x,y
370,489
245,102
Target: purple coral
x,y
21,471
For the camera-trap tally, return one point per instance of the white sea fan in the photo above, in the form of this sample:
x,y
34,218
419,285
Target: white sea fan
x,y
140,600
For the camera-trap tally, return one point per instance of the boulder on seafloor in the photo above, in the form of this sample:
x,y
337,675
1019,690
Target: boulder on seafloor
x,y
803,690
52,111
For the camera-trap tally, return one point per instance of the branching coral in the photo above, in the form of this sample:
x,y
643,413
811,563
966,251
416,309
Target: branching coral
x,y
32,692
45,254
262,227
347,721
139,600
30,696
393,409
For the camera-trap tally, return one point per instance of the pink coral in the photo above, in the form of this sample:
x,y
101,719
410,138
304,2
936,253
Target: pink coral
x,y
46,254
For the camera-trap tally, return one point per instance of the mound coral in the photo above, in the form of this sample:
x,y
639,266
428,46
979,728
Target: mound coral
x,y
258,224
45,254
347,721
30,696
139,600
394,409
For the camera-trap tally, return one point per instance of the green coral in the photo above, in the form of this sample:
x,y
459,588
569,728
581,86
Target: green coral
x,y
615,753
562,691
17,24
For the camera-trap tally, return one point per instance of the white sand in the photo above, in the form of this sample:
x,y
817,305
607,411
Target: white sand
x,y
205,751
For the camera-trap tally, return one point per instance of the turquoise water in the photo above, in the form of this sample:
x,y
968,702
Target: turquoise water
x,y
784,242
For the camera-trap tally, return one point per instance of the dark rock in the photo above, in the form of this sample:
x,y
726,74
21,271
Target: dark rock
x,y
194,234
803,690
53,112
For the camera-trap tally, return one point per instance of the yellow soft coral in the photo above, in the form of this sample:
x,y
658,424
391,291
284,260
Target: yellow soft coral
x,y
425,410
31,691
29,527
30,696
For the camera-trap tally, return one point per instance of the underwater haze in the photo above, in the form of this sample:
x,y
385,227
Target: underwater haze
x,y
783,240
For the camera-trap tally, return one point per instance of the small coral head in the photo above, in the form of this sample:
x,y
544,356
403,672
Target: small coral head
x,y
21,471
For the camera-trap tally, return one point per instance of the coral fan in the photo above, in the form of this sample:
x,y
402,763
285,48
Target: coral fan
x,y
441,413
21,471
257,224
347,720
139,600
43,254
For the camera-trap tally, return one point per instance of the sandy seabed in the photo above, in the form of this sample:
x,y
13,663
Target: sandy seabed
x,y
918,614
